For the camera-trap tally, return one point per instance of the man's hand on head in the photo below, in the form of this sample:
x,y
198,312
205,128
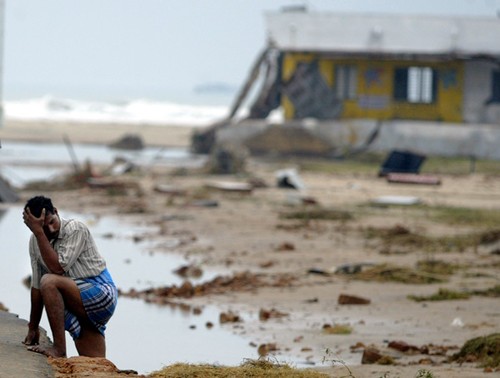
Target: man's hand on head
x,y
32,222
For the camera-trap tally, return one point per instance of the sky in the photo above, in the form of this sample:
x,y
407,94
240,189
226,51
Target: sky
x,y
157,49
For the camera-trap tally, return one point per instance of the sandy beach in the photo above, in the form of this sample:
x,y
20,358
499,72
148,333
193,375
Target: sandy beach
x,y
103,133
300,266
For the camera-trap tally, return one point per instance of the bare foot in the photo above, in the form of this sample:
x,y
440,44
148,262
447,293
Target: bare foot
x,y
49,351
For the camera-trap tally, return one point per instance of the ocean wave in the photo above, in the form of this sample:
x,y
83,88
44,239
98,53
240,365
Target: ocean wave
x,y
49,108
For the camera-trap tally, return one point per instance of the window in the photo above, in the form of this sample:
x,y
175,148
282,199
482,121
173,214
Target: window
x,y
345,82
415,84
495,88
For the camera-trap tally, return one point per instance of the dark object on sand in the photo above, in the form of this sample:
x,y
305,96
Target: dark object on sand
x,y
346,299
128,142
402,162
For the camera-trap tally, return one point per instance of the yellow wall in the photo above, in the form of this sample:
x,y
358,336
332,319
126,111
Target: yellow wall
x,y
375,82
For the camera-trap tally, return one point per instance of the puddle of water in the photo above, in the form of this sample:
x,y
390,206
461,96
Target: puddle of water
x,y
140,336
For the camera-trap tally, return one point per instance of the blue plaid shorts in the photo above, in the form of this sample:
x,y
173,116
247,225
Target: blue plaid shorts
x,y
99,297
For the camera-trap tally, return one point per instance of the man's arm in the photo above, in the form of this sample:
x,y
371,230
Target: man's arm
x,y
33,336
49,255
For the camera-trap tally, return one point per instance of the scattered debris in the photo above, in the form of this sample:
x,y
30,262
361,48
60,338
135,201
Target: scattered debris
x,y
289,179
396,200
239,187
272,313
312,300
266,264
402,162
121,166
319,271
404,347
116,183
227,159
297,199
265,349
229,317
412,178
204,203
169,189
257,182
285,246
371,356
244,281
345,299
128,142
189,271
337,329
352,268
457,322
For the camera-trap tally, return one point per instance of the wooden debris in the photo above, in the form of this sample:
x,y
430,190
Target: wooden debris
x,y
169,189
413,178
228,186
345,299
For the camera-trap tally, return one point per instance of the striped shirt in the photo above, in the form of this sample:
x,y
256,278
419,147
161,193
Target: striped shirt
x,y
76,250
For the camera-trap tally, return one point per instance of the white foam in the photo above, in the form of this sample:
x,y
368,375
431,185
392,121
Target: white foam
x,y
49,108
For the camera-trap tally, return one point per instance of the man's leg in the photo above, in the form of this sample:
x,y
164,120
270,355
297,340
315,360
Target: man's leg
x,y
90,343
59,292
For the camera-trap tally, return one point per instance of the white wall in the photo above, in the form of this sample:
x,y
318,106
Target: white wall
x,y
477,90
428,138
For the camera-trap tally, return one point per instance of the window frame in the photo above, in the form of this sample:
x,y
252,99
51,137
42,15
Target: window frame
x,y
415,84
346,81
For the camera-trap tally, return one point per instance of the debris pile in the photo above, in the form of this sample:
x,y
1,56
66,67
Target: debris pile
x,y
244,281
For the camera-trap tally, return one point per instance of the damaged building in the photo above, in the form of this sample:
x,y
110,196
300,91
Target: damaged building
x,y
349,82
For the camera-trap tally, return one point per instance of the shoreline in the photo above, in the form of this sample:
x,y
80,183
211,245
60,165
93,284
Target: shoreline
x,y
95,133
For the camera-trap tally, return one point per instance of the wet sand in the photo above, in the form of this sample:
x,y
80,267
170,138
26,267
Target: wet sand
x,y
245,232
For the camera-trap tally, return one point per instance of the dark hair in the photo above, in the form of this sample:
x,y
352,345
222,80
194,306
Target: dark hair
x,y
38,203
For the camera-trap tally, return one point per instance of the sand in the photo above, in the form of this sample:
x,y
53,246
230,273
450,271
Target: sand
x,y
103,133
246,233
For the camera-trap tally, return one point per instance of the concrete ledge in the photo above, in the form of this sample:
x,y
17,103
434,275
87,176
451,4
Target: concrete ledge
x,y
15,360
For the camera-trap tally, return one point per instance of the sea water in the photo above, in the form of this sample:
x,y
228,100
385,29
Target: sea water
x,y
192,111
137,111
